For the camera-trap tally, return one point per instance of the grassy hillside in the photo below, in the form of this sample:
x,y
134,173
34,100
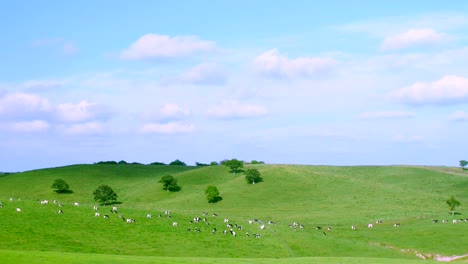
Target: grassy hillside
x,y
310,195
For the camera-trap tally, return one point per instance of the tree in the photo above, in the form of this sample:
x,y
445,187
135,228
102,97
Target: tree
x,y
105,195
169,183
253,176
61,186
199,164
234,164
214,163
463,164
212,194
453,203
178,163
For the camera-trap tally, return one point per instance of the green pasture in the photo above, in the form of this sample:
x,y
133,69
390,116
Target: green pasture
x,y
313,196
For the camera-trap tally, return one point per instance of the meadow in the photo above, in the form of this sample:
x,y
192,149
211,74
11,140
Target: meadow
x,y
325,196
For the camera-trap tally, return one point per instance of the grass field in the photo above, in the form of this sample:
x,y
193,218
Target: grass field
x,y
310,195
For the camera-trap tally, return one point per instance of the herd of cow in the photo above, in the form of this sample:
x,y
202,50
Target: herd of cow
x,y
231,228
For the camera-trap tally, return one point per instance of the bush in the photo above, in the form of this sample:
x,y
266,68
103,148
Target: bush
x,y
178,163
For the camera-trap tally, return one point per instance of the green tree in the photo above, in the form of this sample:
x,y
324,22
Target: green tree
x,y
214,163
253,176
212,194
61,186
234,164
178,163
105,195
453,203
463,164
169,183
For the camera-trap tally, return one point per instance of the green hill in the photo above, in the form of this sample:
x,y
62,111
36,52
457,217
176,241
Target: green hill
x,y
313,196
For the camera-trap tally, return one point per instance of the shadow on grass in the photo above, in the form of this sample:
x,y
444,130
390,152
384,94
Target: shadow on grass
x,y
64,191
111,203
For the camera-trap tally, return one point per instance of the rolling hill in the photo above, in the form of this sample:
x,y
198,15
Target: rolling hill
x,y
313,196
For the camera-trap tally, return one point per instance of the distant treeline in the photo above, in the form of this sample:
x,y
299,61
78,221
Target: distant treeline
x,y
173,163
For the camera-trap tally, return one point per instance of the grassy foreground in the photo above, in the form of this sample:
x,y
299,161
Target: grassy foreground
x,y
313,196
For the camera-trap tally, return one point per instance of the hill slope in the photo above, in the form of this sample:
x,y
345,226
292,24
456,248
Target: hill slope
x,y
309,195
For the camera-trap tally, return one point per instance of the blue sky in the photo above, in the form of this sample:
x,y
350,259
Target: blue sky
x,y
301,82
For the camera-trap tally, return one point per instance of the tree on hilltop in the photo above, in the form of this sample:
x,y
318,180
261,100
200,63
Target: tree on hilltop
x,y
61,186
253,176
169,183
463,164
178,163
453,204
234,164
104,194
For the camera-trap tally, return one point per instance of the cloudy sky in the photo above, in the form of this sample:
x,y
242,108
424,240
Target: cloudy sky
x,y
302,82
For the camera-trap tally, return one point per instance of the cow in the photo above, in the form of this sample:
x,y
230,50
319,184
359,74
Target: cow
x,y
11,199
148,215
226,220
60,211
250,222
262,227
214,214
318,228
60,204
174,224
45,202
444,221
454,221
329,228
353,227
130,220
114,210
106,216
370,225
18,210
232,232
76,204
95,208
378,222
396,224
97,214
435,221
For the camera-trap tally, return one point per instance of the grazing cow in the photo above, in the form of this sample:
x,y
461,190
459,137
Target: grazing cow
x,y
106,216
318,228
396,224
214,214
435,221
95,208
76,204
250,222
130,220
97,214
325,234
378,222
301,226
224,232
1,205
114,210
213,231
454,221
167,212
353,227
247,234
60,204
444,221
174,224
197,229
232,232
18,210
11,199
60,211
271,223
55,201
226,220
257,235
262,227
329,228
370,225
196,219
148,216
204,213
45,202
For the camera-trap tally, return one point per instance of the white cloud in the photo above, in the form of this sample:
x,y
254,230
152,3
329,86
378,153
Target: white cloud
x,y
412,37
386,115
23,105
459,116
206,73
272,64
42,85
174,112
449,89
400,138
70,48
162,46
83,111
168,128
28,126
234,109
88,128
